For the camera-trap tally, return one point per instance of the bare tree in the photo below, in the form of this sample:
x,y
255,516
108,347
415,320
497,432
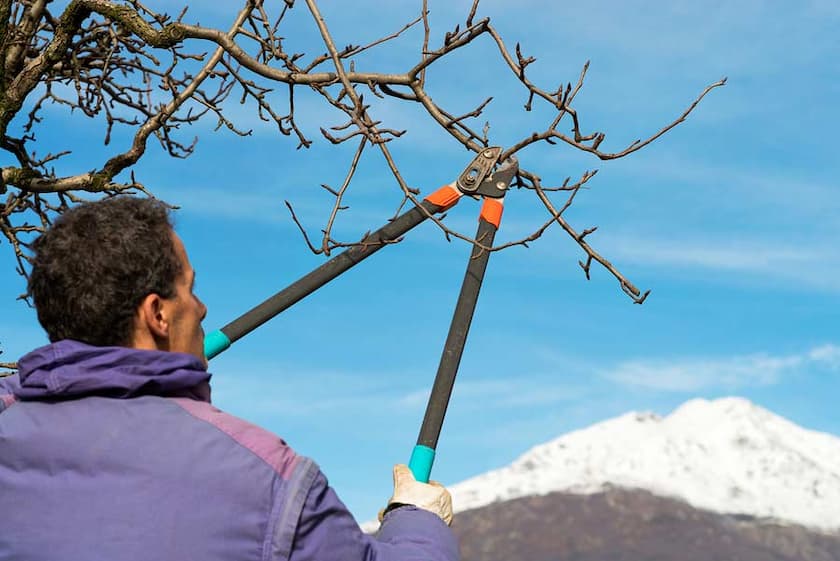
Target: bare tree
x,y
131,68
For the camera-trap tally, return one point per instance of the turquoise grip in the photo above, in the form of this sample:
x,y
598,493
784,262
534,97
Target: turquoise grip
x,y
422,458
215,343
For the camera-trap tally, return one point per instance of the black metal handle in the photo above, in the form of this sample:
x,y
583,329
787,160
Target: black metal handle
x,y
317,278
457,337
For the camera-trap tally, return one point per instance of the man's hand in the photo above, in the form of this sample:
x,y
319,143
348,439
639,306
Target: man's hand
x,y
430,496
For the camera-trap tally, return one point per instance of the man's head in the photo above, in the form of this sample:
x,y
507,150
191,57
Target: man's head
x,y
114,273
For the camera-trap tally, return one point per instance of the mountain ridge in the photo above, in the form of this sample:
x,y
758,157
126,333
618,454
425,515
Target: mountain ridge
x,y
728,456
629,525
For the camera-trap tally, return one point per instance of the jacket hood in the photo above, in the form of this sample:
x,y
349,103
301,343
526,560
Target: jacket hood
x,y
70,369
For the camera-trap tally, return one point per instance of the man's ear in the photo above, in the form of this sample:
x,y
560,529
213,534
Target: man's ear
x,y
153,316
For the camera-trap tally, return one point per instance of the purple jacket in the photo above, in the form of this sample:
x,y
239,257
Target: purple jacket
x,y
109,453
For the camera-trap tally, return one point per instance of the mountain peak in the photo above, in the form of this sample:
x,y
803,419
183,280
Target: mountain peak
x,y
724,407
730,404
725,455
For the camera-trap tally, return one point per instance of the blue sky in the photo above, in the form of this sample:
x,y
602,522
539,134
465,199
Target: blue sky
x,y
730,220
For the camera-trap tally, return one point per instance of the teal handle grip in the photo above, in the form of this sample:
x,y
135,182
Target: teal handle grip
x,y
215,343
420,464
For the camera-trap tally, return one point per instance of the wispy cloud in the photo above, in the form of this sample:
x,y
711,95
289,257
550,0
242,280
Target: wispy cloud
x,y
827,355
295,390
696,374
312,392
267,206
740,256
809,265
515,392
786,184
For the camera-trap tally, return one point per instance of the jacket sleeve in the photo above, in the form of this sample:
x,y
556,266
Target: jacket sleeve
x,y
327,531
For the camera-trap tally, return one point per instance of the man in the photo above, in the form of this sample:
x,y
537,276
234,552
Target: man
x,y
110,448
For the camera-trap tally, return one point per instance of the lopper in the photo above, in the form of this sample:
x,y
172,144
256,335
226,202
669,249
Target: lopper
x,y
485,178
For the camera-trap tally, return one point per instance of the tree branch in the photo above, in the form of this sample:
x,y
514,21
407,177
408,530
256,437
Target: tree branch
x,y
123,63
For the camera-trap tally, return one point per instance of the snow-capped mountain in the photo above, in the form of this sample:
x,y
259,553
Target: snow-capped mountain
x,y
727,455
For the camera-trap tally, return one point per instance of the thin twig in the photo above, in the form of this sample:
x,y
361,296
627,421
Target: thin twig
x,y
339,195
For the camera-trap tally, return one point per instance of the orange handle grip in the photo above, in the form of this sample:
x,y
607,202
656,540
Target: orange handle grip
x,y
446,197
491,211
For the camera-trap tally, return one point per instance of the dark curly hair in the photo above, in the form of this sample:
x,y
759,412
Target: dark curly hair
x,y
96,263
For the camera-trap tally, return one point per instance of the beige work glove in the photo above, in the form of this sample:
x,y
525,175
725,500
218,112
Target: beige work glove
x,y
431,496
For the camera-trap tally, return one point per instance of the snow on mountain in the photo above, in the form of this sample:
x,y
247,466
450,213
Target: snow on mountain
x,y
726,455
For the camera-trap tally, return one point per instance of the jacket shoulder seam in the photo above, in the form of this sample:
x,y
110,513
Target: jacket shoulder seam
x,y
282,465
